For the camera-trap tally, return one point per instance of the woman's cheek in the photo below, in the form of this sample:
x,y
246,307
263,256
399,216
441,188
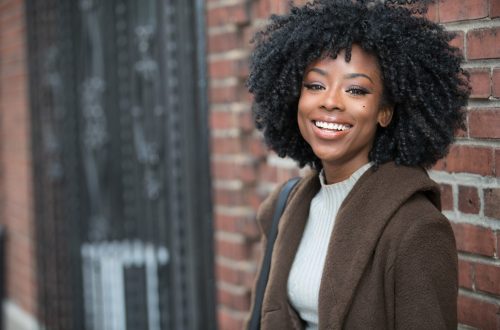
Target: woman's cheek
x,y
301,123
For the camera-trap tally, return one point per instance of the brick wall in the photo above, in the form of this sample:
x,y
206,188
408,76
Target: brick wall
x,y
16,202
470,174
244,172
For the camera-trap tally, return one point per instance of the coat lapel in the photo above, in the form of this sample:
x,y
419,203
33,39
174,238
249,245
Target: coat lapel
x,y
359,224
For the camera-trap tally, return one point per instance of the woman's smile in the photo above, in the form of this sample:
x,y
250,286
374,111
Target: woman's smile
x,y
331,126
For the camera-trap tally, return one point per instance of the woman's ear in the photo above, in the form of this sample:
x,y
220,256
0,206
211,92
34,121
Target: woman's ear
x,y
385,115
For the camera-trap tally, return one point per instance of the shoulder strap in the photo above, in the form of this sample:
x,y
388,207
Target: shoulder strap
x,y
266,262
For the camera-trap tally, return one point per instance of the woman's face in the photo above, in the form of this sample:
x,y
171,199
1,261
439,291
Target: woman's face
x,y
339,110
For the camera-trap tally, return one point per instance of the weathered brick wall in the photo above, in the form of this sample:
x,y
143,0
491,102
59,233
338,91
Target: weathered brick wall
x,y
244,172
16,185
470,173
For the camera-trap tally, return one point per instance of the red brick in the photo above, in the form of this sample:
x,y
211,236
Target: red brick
x,y
246,96
487,278
285,174
458,41
257,147
474,239
481,83
432,13
244,172
470,159
461,133
477,313
494,8
465,274
223,42
246,122
236,224
468,200
234,14
220,120
227,68
10,8
255,198
483,43
452,10
268,173
492,203
440,165
229,197
497,162
279,6
228,320
484,123
228,120
446,197
221,69
226,145
16,166
498,242
247,34
233,250
237,300
264,8
224,94
495,81
228,274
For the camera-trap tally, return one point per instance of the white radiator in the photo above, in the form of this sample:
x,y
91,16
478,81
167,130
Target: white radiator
x,y
104,264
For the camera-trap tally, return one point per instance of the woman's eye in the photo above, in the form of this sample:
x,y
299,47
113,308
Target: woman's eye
x,y
357,91
313,87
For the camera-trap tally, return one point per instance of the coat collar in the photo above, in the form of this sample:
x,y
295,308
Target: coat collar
x,y
358,226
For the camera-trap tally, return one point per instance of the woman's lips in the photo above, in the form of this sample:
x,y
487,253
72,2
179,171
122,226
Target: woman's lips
x,y
331,125
330,130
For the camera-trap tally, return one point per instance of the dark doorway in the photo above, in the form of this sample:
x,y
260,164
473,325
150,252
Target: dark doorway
x,y
119,113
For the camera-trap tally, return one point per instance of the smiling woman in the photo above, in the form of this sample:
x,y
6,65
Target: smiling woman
x,y
367,94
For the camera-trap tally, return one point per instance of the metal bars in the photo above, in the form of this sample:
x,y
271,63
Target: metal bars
x,y
120,135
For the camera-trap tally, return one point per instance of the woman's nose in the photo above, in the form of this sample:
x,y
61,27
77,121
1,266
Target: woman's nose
x,y
332,100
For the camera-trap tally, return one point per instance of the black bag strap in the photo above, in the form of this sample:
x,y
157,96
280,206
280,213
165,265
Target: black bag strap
x,y
266,262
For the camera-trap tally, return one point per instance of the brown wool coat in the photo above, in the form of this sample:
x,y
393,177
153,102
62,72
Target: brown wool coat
x,y
391,261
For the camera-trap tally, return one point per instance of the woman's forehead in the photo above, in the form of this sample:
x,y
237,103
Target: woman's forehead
x,y
359,61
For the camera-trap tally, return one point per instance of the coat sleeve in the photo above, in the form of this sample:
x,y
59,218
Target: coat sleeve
x,y
426,276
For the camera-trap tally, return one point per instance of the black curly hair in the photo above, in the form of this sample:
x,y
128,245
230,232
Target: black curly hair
x,y
421,74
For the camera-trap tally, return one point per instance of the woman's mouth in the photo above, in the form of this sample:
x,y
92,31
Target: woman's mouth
x,y
331,126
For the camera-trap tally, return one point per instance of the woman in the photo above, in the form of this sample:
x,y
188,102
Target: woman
x,y
367,94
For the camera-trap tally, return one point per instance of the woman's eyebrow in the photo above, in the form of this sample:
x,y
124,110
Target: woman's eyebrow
x,y
347,76
356,75
318,70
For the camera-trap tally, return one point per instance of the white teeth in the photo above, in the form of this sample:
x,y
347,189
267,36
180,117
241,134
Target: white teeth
x,y
332,126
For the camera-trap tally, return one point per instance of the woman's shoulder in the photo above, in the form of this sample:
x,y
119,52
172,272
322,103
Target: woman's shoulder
x,y
391,182
416,197
419,228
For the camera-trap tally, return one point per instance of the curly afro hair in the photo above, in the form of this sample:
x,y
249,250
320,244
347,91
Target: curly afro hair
x,y
421,74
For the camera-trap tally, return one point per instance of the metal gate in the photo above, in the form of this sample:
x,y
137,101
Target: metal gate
x,y
117,91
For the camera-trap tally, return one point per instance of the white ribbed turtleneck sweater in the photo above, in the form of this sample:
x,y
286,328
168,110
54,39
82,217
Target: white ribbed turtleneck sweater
x,y
307,268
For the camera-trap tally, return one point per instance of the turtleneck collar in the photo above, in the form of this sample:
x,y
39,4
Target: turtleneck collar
x,y
347,183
